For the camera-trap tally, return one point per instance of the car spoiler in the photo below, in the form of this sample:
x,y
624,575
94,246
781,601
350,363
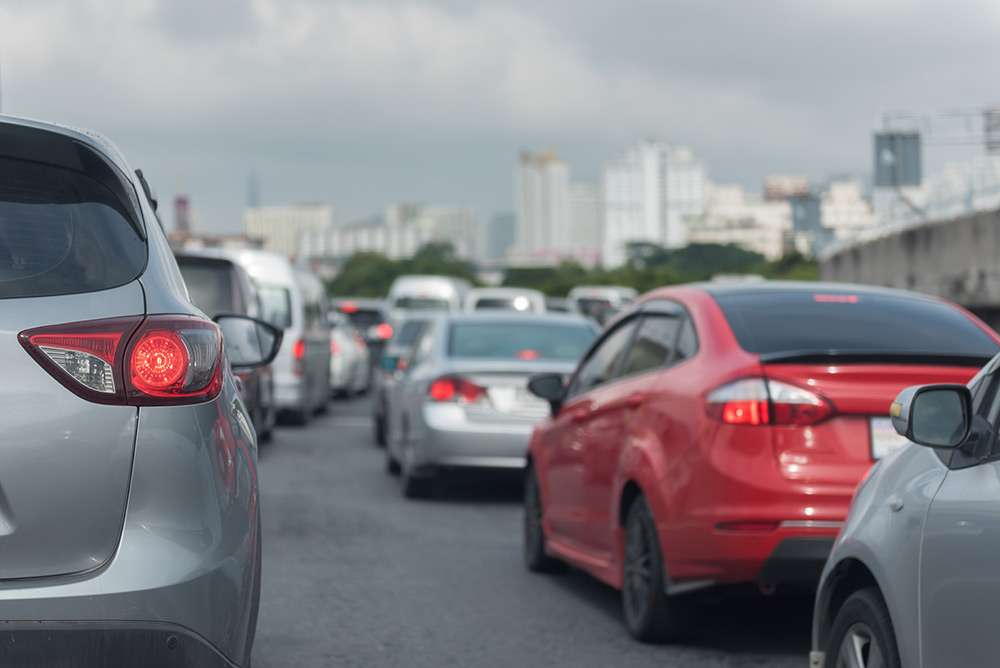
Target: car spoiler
x,y
874,357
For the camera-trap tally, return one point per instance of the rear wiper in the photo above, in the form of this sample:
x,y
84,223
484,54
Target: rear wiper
x,y
870,356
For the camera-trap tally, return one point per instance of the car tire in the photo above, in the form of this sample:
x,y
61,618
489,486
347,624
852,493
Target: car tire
x,y
650,615
299,417
863,626
536,558
378,429
416,486
392,466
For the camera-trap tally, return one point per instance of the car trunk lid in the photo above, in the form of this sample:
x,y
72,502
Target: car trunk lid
x,y
65,462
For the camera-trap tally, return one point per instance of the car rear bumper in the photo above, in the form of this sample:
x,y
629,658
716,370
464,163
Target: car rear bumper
x,y
450,439
796,561
105,644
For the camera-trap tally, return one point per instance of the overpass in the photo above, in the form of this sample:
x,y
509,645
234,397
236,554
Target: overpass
x,y
955,258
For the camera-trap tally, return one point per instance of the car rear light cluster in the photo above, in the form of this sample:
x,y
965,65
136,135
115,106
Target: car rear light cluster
x,y
456,390
334,348
383,331
762,401
299,356
139,361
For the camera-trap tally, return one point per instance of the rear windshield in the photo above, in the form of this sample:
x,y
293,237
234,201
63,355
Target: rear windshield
x,y
209,284
599,309
503,304
779,322
422,303
62,232
519,340
365,318
275,305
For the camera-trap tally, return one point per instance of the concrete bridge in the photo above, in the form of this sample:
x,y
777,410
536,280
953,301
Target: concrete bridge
x,y
958,259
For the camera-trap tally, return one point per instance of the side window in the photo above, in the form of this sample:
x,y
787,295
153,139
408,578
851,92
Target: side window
x,y
653,346
687,342
421,348
600,366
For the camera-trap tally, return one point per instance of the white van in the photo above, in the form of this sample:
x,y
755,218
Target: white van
x,y
293,300
427,293
517,300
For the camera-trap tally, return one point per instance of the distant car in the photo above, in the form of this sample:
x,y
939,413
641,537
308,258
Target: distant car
x,y
294,301
427,293
716,432
350,370
128,463
371,318
390,365
600,302
463,401
219,286
518,300
911,580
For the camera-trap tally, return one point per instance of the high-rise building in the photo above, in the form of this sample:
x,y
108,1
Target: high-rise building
x,y
541,185
779,187
182,214
733,216
650,194
291,230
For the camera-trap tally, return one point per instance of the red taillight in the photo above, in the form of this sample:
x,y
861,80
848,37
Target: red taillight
x,y
348,307
383,331
453,388
334,348
139,361
761,401
299,350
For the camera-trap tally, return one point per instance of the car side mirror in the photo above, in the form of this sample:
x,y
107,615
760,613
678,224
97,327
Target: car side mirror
x,y
937,416
549,386
249,342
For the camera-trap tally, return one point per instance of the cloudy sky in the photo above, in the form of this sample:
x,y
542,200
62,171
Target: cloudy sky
x,y
363,102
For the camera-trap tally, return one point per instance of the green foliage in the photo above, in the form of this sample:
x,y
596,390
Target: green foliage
x,y
371,274
649,266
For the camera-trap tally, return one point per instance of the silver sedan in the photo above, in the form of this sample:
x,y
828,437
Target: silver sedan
x,y
463,401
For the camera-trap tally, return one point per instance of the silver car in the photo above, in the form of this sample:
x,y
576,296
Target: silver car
x,y
463,401
390,367
129,518
912,579
350,367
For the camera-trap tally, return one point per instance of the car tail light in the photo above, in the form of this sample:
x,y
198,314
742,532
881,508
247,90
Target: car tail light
x,y
298,357
762,401
455,389
334,348
383,331
157,360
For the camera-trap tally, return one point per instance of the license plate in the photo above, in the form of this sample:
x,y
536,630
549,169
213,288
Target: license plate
x,y
885,440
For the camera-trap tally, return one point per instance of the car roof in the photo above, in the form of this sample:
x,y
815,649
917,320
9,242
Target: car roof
x,y
366,303
94,140
197,256
510,317
505,290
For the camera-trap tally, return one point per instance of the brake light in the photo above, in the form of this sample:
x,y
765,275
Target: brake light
x,y
299,350
348,307
457,389
156,360
762,401
383,331
334,348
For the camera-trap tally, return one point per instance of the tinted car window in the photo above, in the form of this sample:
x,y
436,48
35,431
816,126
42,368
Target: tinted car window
x,y
408,333
653,345
776,322
365,318
422,303
497,303
602,363
62,232
209,285
275,305
518,340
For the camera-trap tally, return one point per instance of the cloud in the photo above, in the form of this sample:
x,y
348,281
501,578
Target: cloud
x,y
365,101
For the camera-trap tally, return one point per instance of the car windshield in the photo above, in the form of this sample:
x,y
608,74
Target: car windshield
x,y
363,318
209,284
422,304
275,305
516,303
778,322
519,341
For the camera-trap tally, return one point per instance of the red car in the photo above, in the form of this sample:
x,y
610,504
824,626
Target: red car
x,y
715,434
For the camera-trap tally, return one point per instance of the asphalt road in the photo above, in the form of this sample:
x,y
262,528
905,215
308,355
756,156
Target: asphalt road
x,y
354,575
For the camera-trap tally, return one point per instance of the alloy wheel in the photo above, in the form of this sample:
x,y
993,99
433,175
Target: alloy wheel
x,y
860,649
637,570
